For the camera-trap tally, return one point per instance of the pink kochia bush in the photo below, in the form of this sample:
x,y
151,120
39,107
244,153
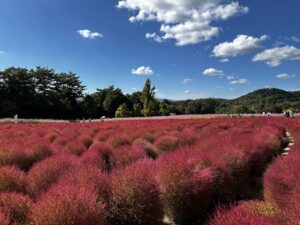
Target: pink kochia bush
x,y
281,179
12,154
134,197
16,205
167,143
37,150
66,204
47,172
4,218
247,213
87,176
12,179
100,155
186,186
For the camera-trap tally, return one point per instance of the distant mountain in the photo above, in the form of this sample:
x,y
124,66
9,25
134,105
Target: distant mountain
x,y
262,100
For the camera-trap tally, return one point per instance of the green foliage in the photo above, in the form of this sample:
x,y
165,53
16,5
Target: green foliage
x,y
44,93
123,111
150,105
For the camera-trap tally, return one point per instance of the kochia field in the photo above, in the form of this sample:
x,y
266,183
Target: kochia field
x,y
151,172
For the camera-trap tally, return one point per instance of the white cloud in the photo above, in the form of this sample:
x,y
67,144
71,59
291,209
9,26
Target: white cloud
x,y
275,56
225,60
155,37
187,80
185,21
230,77
239,81
241,45
295,39
285,76
143,70
88,34
213,72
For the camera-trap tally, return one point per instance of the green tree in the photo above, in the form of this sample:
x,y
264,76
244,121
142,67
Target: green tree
x,y
123,111
150,105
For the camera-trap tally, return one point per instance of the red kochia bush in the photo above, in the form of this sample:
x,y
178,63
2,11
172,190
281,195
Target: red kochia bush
x,y
68,205
88,176
134,196
186,187
17,206
247,213
86,140
290,214
12,179
149,149
126,155
45,173
166,143
37,150
282,177
4,219
100,155
12,154
74,147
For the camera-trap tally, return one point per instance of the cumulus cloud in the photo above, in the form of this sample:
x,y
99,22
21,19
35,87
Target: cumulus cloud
x,y
241,45
185,21
239,81
295,39
88,34
275,56
143,71
187,80
154,37
213,72
285,76
230,77
225,60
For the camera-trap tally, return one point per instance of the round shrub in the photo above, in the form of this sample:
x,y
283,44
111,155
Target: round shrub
x,y
17,205
45,173
51,136
186,187
37,150
100,155
86,140
290,213
126,155
247,213
12,179
167,143
281,178
74,147
68,205
118,141
88,176
134,197
4,219
11,154
149,149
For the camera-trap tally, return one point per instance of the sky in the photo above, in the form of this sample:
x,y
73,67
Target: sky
x,y
188,48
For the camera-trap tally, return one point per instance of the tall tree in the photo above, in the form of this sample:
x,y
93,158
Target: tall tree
x,y
150,105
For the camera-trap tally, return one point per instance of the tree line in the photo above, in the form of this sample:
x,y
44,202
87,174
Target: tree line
x,y
44,93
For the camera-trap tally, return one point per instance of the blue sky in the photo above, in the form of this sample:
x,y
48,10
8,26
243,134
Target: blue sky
x,y
188,48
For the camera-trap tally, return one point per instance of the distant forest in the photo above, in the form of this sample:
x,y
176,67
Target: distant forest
x,y
44,93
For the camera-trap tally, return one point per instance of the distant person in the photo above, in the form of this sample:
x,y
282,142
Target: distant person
x,y
269,114
16,118
102,118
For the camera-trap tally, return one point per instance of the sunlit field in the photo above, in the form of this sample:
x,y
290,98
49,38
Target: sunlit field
x,y
151,172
